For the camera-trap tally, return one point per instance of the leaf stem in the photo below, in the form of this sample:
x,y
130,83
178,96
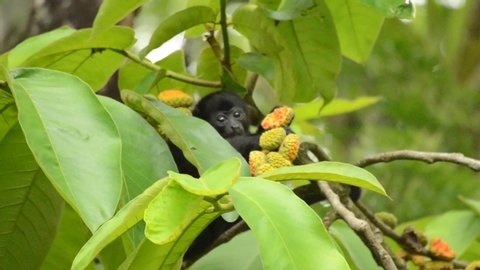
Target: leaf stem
x,y
168,73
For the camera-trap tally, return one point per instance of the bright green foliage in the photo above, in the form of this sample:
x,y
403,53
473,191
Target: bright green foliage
x,y
128,216
264,205
357,27
111,12
215,181
64,123
177,23
145,155
29,205
328,171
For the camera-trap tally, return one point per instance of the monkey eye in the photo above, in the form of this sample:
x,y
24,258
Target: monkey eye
x,y
221,118
237,114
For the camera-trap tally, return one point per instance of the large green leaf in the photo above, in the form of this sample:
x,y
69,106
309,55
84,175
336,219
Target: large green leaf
x,y
178,23
145,155
171,212
393,8
127,217
149,256
258,28
285,9
311,41
338,106
215,181
30,208
71,235
192,135
111,12
328,171
243,247
354,250
33,45
257,63
85,57
8,112
287,229
73,139
357,27
458,228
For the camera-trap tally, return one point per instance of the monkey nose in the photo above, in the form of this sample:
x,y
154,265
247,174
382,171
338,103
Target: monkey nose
x,y
237,130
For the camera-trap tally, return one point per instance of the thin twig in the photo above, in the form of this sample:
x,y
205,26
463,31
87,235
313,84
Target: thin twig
x,y
226,43
168,73
360,226
429,157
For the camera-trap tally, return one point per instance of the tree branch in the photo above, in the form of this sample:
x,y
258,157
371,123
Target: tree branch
x,y
168,73
428,157
360,226
226,43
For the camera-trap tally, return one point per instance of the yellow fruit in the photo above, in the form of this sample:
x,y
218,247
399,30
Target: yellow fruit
x,y
264,168
271,139
256,159
277,160
175,98
280,117
289,147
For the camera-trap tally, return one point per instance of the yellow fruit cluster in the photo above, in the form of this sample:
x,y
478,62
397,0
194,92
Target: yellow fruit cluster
x,y
278,150
177,99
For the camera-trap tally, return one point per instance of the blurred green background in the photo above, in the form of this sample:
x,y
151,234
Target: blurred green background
x,y
427,73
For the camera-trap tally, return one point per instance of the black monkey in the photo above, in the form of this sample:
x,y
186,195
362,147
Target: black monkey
x,y
228,114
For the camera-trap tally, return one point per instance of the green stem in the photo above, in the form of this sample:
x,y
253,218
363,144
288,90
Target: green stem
x,y
168,73
226,44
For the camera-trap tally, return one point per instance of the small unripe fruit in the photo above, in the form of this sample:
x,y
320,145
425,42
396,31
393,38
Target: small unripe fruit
x,y
277,160
271,139
289,147
279,117
175,98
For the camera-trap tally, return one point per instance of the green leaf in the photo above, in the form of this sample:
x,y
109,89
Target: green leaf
x,y
257,63
458,228
243,248
87,58
149,256
473,204
354,250
338,106
128,216
393,8
145,155
285,226
30,208
33,45
71,235
311,41
169,214
178,23
192,135
215,181
111,12
328,171
357,27
8,112
73,139
258,28
285,9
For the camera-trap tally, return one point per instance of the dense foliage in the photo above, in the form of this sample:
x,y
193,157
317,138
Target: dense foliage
x,y
86,177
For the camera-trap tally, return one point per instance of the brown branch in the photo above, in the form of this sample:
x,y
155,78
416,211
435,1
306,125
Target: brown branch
x,y
360,226
399,239
428,157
